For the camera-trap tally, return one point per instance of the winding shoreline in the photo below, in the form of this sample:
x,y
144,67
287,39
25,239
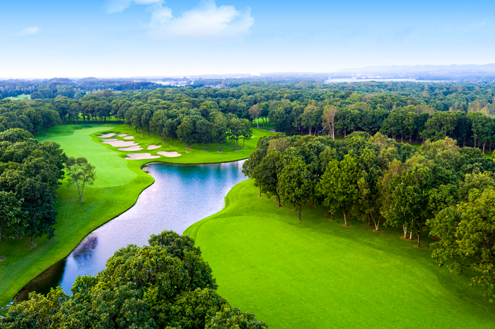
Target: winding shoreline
x,y
123,197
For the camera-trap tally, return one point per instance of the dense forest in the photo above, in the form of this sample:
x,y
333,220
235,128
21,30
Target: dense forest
x,y
404,110
438,189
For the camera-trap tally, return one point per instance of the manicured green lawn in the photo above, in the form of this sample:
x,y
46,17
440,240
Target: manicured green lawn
x,y
119,183
318,274
19,97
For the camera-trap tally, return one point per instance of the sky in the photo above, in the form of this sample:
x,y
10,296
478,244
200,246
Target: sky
x,y
129,38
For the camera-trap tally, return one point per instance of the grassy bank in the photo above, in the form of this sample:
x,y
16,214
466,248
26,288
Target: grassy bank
x,y
119,183
318,274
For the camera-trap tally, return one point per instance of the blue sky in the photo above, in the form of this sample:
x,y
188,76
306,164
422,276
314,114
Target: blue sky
x,y
112,38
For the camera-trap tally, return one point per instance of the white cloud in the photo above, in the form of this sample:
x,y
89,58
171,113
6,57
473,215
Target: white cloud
x,y
29,31
206,20
118,6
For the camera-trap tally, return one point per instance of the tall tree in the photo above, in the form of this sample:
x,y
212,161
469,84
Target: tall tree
x,y
80,172
340,183
254,113
11,214
467,238
329,114
185,133
294,183
409,198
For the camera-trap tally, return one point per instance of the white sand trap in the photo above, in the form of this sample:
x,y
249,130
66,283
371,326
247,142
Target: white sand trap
x,y
169,154
129,137
153,147
140,156
118,143
107,135
132,148
109,140
122,135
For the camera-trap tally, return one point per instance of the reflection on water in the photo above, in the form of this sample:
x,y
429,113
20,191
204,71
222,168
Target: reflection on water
x,y
180,196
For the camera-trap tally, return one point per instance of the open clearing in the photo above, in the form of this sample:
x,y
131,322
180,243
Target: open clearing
x,y
118,184
317,274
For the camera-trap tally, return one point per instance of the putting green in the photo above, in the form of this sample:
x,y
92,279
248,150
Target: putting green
x,y
119,183
318,274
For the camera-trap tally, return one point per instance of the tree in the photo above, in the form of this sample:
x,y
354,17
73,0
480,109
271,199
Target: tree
x,y
250,167
329,114
236,127
80,173
154,286
246,131
146,119
203,131
219,130
370,197
11,214
467,240
254,113
234,318
185,133
268,173
170,129
409,198
340,183
294,183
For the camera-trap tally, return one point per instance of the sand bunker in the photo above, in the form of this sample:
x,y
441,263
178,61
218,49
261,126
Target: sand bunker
x,y
122,135
107,135
132,148
117,143
109,140
153,147
169,154
140,156
129,137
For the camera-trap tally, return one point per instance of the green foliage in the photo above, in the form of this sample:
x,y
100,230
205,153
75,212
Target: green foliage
x,y
29,178
80,172
234,318
141,287
339,184
294,183
467,240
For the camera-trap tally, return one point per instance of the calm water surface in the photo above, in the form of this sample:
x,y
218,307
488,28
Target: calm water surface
x,y
180,196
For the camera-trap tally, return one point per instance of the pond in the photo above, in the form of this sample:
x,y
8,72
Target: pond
x,y
180,196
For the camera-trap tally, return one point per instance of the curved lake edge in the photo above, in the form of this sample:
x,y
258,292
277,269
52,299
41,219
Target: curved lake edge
x,y
48,274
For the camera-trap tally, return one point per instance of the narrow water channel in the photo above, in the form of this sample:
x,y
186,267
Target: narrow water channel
x,y
180,196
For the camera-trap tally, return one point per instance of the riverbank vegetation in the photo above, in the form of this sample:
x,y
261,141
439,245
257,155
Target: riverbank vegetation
x,y
111,195
164,285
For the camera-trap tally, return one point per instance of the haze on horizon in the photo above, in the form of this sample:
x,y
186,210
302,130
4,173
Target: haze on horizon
x,y
125,38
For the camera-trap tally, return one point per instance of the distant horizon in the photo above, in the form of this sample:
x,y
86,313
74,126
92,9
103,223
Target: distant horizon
x,y
350,71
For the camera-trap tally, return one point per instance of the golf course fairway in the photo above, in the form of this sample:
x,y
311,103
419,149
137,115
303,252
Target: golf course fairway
x,y
318,274
117,187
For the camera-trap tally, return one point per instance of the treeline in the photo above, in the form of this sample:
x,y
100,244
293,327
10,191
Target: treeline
x,y
30,172
52,88
406,111
420,122
164,285
440,187
32,116
205,125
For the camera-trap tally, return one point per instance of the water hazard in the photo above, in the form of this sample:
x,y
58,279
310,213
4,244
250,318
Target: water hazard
x,y
180,196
